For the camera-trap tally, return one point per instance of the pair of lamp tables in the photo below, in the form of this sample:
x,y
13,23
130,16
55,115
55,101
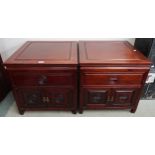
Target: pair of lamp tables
x,y
77,76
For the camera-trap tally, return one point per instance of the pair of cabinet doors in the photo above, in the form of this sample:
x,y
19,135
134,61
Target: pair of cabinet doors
x,y
108,98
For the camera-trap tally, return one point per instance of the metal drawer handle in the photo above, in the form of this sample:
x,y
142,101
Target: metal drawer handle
x,y
123,97
113,79
42,80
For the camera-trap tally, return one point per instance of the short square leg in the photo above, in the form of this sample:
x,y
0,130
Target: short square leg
x,y
133,110
80,111
74,111
21,111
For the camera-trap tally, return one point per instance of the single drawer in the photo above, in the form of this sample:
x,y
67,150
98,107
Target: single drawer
x,y
111,79
42,79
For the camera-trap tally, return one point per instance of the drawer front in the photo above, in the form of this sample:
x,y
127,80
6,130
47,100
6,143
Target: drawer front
x,y
42,79
111,79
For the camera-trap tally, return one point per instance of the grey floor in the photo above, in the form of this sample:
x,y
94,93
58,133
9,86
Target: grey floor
x,y
146,108
6,104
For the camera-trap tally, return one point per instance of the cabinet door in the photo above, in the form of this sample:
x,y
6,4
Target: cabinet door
x,y
58,97
95,98
32,97
123,97
46,97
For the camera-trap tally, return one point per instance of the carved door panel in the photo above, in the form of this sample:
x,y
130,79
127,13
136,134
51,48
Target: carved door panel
x,y
58,97
46,97
96,97
33,97
123,97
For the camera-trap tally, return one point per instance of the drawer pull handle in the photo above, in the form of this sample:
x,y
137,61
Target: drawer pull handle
x,y
123,97
42,80
113,79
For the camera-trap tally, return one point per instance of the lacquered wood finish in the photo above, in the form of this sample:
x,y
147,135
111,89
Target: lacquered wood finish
x,y
110,79
109,75
112,75
44,76
110,53
45,53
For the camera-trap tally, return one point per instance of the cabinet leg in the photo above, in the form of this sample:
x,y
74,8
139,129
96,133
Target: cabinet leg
x,y
21,111
74,112
133,110
81,111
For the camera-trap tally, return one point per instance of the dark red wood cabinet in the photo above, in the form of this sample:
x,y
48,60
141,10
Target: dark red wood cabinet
x,y
44,76
93,75
112,75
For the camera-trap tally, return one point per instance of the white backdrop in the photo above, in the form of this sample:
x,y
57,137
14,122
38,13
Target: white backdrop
x,y
75,19
9,45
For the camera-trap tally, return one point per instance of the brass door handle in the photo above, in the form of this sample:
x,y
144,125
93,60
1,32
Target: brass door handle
x,y
46,100
110,98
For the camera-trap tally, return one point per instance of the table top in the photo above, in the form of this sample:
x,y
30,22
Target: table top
x,y
110,52
45,52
